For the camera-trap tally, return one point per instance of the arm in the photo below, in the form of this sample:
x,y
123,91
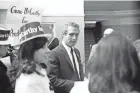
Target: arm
x,y
53,74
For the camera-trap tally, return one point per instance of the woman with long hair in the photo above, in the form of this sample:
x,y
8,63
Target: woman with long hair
x,y
114,67
28,73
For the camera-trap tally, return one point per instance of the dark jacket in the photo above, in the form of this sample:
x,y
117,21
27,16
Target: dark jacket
x,y
5,86
60,70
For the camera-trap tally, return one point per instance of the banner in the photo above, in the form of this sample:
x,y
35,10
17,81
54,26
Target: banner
x,y
18,15
24,14
49,28
4,34
30,30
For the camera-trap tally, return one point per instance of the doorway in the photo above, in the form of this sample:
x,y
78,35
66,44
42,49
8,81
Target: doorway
x,y
93,33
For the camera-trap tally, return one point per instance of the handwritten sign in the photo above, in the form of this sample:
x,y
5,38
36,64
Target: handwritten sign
x,y
19,15
23,14
26,12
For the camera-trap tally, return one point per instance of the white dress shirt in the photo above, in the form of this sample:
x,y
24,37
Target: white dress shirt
x,y
68,49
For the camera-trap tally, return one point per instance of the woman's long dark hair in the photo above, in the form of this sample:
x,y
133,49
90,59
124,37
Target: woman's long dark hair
x,y
114,67
25,63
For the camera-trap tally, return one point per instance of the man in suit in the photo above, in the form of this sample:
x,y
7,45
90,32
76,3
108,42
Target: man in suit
x,y
64,67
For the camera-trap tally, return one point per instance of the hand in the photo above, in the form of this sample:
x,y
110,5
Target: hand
x,y
80,87
77,82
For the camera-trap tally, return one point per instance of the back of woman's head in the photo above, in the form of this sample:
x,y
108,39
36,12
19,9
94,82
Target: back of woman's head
x,y
114,66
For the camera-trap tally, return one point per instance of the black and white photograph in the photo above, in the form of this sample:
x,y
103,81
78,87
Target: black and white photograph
x,y
69,46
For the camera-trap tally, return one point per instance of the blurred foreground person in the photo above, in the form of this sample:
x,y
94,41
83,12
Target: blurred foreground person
x,y
114,67
106,32
137,46
5,86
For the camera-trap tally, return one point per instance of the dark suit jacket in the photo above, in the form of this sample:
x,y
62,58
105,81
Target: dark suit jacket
x,y
5,85
60,70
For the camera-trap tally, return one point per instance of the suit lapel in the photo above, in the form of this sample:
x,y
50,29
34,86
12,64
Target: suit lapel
x,y
69,61
78,56
66,56
80,65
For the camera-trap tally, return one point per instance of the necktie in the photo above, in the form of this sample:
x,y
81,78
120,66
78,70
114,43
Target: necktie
x,y
74,63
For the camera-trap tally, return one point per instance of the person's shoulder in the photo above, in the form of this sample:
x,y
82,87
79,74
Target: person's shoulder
x,y
26,79
29,83
94,46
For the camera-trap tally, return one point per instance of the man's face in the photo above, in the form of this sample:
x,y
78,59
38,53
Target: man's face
x,y
70,38
3,50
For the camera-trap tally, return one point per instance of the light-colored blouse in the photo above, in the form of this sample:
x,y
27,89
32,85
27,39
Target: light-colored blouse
x,y
33,83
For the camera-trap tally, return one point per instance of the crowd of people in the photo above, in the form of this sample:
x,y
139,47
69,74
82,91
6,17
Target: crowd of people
x,y
41,66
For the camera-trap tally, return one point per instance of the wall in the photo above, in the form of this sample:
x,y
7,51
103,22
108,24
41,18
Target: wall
x,y
61,12
122,16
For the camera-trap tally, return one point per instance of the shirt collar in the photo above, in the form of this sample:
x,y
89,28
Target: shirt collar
x,y
66,47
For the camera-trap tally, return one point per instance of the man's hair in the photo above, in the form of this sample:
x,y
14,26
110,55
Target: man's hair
x,y
108,31
73,24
